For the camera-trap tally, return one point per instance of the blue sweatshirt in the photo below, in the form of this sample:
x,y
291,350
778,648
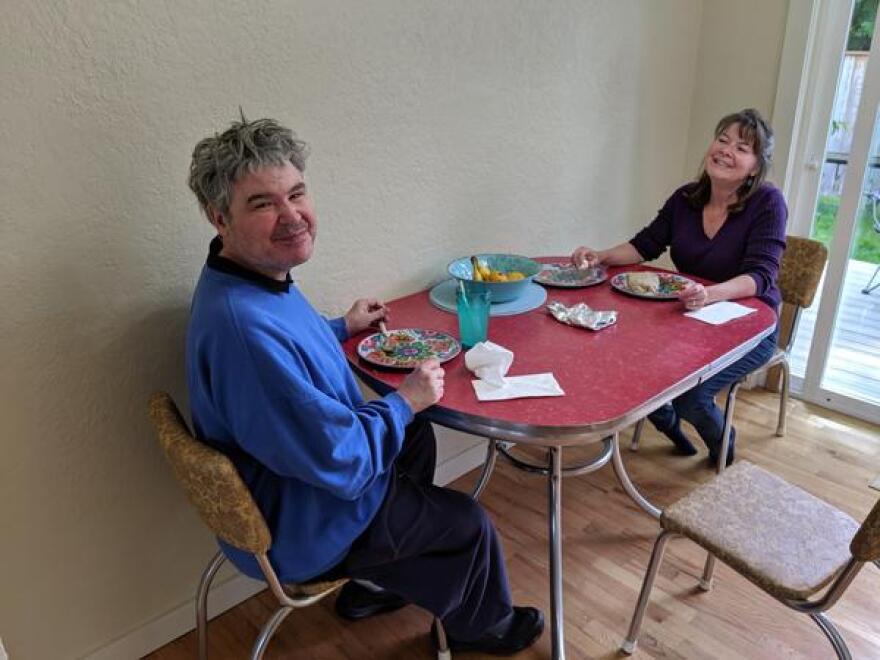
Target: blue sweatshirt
x,y
270,387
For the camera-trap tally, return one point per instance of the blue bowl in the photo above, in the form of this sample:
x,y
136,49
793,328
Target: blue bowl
x,y
462,269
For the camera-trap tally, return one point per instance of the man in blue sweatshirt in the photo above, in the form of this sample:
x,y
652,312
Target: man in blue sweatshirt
x,y
344,484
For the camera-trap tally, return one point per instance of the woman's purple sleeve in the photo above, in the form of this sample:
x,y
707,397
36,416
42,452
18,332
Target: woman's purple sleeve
x,y
653,240
766,243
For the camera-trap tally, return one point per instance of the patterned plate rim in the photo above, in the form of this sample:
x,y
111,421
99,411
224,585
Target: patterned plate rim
x,y
615,284
395,364
563,285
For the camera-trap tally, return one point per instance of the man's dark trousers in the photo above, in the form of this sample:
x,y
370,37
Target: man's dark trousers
x,y
434,546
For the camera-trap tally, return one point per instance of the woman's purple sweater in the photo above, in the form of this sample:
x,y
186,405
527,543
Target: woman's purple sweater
x,y
750,242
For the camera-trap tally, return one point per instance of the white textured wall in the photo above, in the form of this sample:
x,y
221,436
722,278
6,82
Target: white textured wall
x,y
737,67
438,129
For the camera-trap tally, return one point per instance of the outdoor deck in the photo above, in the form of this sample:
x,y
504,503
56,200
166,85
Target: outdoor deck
x,y
853,367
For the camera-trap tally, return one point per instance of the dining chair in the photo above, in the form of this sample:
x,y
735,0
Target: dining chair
x,y
799,275
789,543
226,506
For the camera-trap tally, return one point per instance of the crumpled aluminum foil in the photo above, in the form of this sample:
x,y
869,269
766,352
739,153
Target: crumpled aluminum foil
x,y
582,316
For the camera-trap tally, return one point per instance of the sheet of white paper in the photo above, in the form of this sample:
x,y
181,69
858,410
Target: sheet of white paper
x,y
720,312
518,387
876,483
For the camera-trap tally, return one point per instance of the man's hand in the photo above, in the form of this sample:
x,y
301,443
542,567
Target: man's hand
x,y
364,313
424,386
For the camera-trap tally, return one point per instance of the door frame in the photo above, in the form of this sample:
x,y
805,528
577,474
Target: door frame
x,y
815,43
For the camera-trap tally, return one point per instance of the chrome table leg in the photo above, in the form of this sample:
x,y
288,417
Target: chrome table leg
x,y
624,480
488,467
554,493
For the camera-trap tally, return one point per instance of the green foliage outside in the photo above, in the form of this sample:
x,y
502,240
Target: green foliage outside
x,y
861,28
867,241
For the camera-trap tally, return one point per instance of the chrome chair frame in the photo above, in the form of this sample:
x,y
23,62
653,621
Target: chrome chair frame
x,y
816,609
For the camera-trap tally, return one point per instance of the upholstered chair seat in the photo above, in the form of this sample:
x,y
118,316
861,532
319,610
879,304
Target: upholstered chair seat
x,y
788,542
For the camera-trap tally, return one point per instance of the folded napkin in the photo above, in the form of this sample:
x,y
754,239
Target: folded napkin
x,y
720,312
490,363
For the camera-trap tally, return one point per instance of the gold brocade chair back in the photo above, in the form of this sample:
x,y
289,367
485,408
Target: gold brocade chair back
x,y
865,545
210,480
799,276
226,506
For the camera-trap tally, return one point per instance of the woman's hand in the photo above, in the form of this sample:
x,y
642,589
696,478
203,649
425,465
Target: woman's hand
x,y
694,296
365,313
585,257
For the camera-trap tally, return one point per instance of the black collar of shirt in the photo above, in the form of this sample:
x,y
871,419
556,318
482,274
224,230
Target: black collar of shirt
x,y
224,265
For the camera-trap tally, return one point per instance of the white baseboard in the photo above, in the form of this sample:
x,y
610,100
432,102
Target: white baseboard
x,y
166,628
455,466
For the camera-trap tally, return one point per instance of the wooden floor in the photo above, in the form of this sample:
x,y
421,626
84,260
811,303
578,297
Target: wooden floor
x,y
607,542
853,367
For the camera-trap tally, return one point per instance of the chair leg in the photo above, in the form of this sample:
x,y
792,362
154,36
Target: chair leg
x,y
629,644
268,630
783,400
708,572
637,434
870,286
832,634
728,425
443,652
202,602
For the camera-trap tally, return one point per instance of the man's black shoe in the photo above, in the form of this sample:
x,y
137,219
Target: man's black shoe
x,y
355,601
524,630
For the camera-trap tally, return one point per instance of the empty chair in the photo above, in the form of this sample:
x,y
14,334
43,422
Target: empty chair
x,y
225,505
789,543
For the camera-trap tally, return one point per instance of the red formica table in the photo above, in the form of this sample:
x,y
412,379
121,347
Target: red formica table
x,y
612,378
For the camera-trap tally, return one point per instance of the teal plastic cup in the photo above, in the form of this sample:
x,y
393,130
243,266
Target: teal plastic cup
x,y
473,316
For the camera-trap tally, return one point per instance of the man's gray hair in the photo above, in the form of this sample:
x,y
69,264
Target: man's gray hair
x,y
246,146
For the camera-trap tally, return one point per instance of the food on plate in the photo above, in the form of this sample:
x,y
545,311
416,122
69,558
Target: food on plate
x,y
643,282
393,340
482,273
655,284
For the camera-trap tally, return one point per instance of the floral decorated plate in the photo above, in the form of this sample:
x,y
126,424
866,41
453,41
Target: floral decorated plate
x,y
408,347
567,275
650,284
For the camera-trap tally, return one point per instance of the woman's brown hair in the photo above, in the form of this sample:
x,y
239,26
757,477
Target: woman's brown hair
x,y
757,132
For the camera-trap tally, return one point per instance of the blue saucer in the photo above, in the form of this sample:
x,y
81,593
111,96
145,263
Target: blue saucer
x,y
443,296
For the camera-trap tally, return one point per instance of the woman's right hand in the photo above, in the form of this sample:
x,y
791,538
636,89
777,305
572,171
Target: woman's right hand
x,y
585,257
424,386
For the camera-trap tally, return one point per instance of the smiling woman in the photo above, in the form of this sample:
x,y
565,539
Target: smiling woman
x,y
728,226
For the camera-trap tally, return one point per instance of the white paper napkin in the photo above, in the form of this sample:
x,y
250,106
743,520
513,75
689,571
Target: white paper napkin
x,y
876,483
490,363
720,312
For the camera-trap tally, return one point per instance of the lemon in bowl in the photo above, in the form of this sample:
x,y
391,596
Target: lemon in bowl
x,y
504,276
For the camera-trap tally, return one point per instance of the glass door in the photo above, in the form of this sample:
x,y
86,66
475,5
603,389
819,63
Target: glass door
x,y
836,355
